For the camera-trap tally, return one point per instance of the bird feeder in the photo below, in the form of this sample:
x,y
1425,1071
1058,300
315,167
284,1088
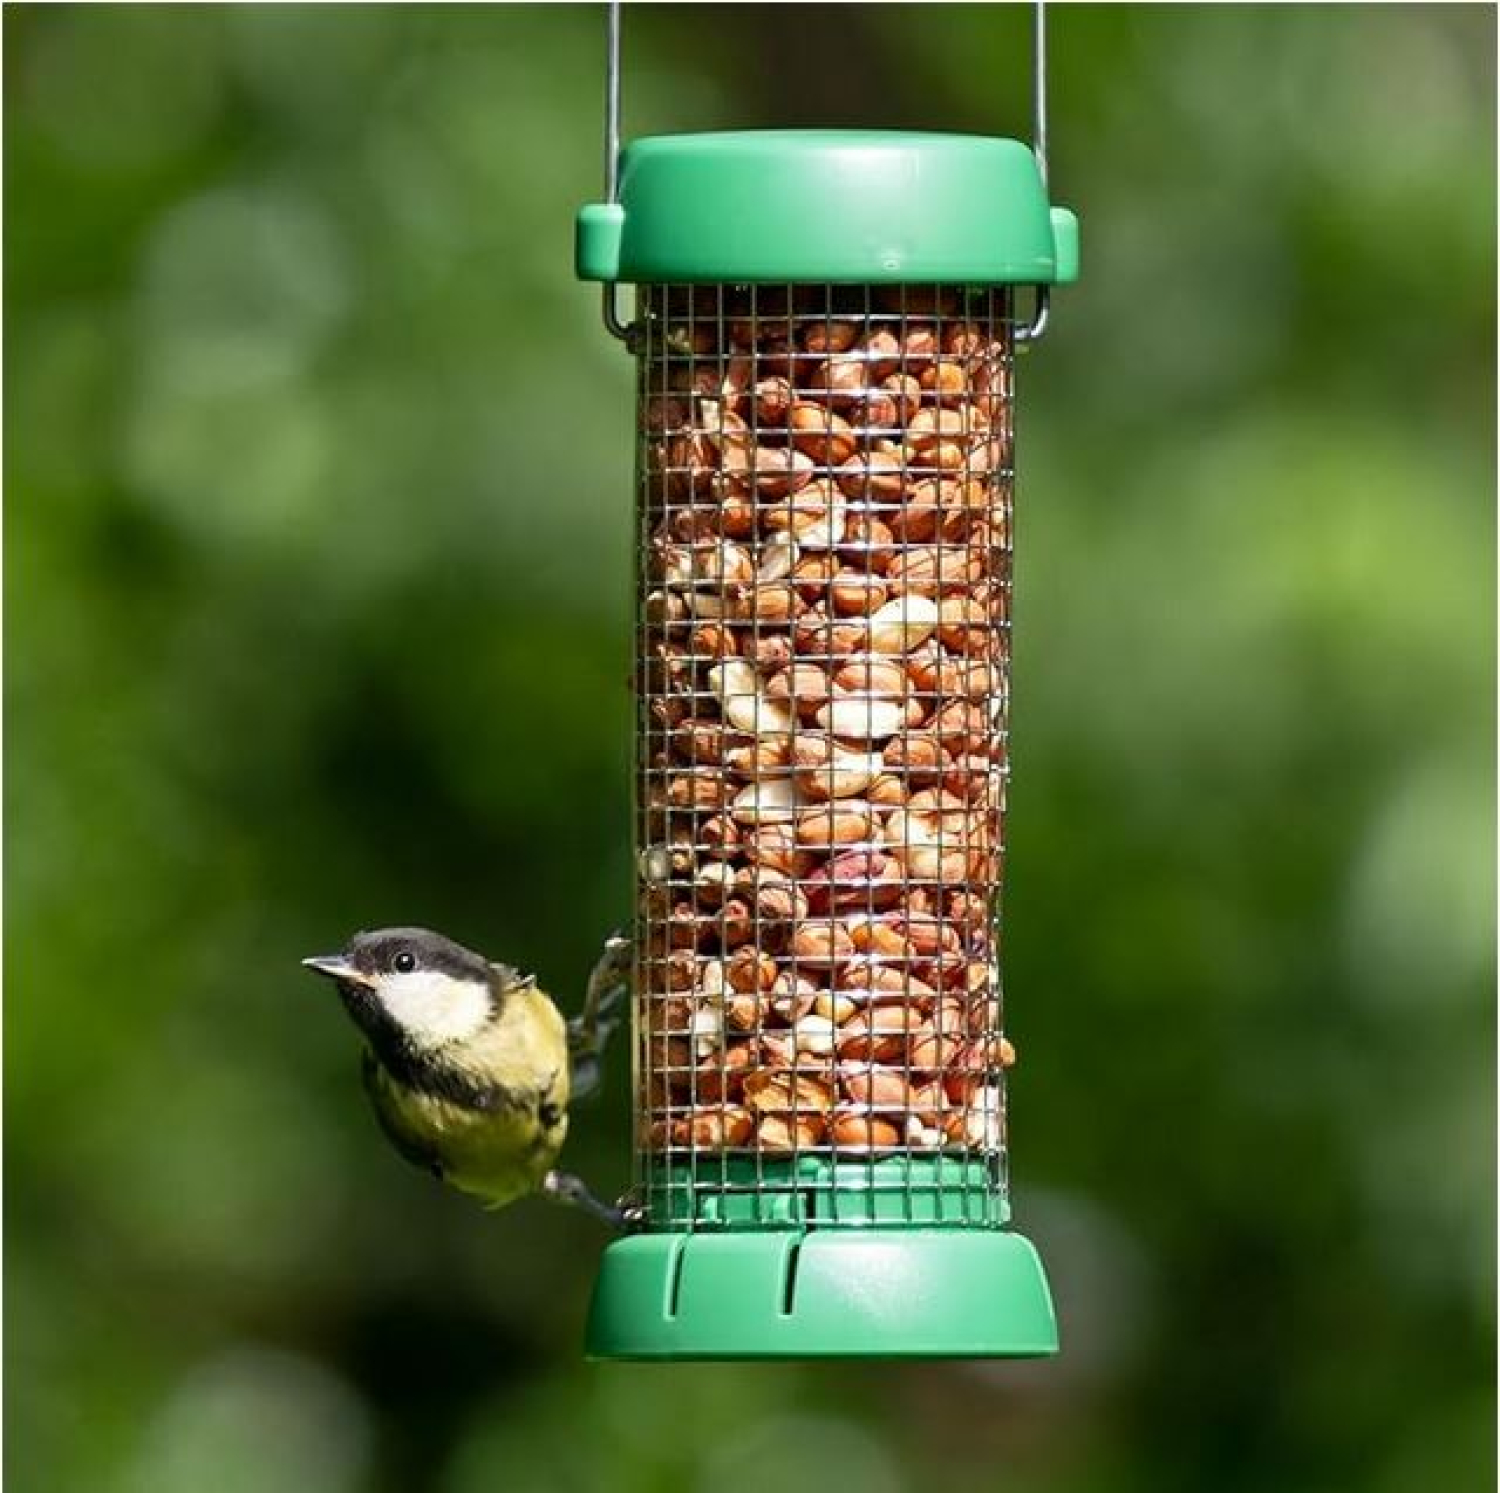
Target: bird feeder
x,y
825,331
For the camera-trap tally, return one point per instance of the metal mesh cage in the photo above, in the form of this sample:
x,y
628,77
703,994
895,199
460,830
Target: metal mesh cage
x,y
824,511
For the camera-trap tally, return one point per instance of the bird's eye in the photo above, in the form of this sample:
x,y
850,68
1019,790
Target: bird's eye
x,y
404,962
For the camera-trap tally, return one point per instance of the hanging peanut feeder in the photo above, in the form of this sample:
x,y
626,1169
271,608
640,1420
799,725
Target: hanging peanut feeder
x,y
825,330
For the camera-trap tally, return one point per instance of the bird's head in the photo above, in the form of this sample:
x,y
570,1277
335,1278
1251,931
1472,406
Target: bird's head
x,y
416,986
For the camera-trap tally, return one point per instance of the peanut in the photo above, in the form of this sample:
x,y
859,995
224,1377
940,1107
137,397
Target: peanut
x,y
823,664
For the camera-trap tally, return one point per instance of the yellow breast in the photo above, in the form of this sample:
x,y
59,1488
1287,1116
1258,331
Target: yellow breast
x,y
502,1150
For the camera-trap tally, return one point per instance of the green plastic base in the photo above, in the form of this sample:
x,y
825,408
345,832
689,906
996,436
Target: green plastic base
x,y
825,1293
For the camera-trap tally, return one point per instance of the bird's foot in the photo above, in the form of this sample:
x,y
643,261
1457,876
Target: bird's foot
x,y
564,1187
605,1003
612,969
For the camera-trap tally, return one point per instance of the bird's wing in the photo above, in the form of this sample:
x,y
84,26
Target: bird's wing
x,y
415,1148
511,978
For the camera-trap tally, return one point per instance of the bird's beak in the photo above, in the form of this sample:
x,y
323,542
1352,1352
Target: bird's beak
x,y
336,967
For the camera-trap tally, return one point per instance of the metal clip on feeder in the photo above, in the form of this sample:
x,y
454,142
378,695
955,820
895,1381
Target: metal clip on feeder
x,y
825,330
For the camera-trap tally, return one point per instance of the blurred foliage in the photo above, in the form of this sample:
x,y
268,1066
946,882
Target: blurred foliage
x,y
318,561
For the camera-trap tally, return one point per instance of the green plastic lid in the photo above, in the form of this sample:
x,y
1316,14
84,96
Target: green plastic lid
x,y
828,206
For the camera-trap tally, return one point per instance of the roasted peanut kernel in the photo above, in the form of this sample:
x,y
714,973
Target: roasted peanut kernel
x,y
698,788
830,336
805,687
766,756
822,942
712,640
792,997
856,1130
690,340
964,340
919,345
875,476
853,593
854,879
825,771
874,1086
718,1129
840,378
881,352
749,971
777,1133
705,742
915,519
872,675
917,756
965,625
735,922
670,1016
776,471
772,602
782,1091
901,626
887,982
678,972
767,652
775,845
841,823
879,937
931,570
719,835
836,1005
947,379
962,726
814,576
867,543
859,718
906,390
880,1034
744,1011
821,435
887,792
773,400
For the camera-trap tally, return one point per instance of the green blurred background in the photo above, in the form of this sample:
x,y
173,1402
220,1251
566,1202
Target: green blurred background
x,y
318,609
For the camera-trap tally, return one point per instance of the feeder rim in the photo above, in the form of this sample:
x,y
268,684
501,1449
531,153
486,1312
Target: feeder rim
x,y
848,207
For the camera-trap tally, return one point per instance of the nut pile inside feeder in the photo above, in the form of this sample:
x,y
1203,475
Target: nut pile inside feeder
x,y
826,479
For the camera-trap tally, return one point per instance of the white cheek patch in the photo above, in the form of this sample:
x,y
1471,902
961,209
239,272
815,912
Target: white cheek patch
x,y
434,1008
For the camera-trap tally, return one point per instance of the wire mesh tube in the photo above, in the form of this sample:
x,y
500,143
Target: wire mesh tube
x,y
825,490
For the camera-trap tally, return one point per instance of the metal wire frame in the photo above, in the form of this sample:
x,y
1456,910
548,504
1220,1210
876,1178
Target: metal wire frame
x,y
818,982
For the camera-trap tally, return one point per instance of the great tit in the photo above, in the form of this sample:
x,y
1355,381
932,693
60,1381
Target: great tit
x,y
470,1067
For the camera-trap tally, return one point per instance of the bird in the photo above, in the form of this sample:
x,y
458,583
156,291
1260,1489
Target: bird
x,y
470,1066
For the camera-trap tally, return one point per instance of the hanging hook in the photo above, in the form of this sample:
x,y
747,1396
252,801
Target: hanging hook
x,y
618,328
613,324
1034,329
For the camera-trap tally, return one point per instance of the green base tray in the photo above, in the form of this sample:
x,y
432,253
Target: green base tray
x,y
824,1293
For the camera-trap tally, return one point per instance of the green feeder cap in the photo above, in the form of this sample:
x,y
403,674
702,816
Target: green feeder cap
x,y
854,207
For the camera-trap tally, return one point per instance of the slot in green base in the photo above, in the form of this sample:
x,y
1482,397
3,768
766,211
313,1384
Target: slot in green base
x,y
824,1293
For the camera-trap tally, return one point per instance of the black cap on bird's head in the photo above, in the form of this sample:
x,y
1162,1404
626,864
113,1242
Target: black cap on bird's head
x,y
368,957
416,983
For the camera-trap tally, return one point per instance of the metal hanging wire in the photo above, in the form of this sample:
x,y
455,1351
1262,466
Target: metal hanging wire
x,y
612,322
616,327
1038,324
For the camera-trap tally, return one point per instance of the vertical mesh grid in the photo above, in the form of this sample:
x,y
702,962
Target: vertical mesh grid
x,y
824,532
